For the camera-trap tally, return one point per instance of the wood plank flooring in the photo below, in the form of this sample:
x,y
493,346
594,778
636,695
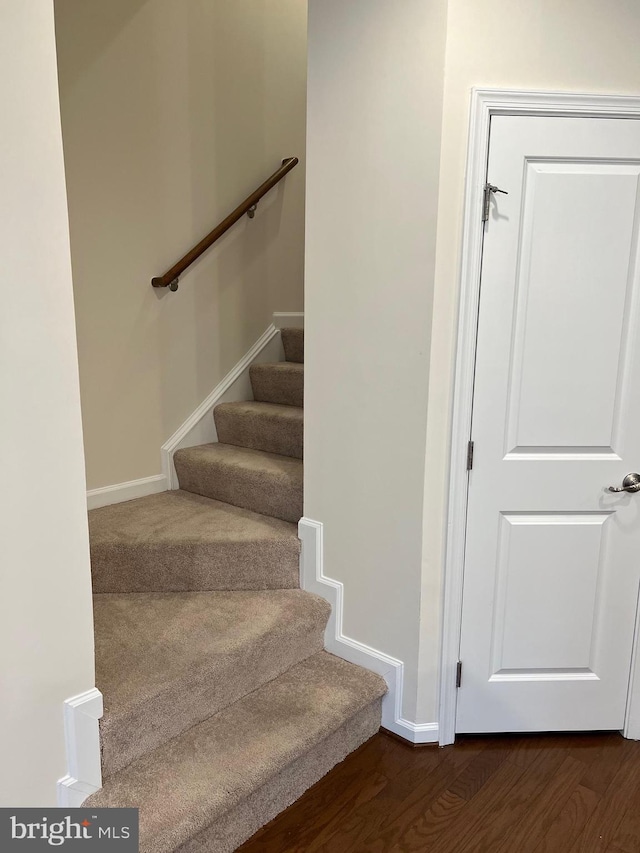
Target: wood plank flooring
x,y
575,793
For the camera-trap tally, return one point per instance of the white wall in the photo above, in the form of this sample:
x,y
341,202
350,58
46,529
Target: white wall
x,y
386,162
375,78
173,111
46,632
574,45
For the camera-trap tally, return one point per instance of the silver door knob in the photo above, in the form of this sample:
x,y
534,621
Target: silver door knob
x,y
631,483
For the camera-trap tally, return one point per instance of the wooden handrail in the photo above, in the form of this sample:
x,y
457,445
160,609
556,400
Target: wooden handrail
x,y
248,206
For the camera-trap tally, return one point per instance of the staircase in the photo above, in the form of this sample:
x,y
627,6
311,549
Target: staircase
x,y
221,707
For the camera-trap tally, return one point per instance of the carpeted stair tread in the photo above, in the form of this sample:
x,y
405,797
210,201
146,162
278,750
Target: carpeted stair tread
x,y
178,541
166,661
220,781
266,483
269,427
282,382
293,343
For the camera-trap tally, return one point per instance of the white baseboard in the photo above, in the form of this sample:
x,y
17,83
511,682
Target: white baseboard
x,y
120,492
199,427
288,320
72,793
313,579
82,741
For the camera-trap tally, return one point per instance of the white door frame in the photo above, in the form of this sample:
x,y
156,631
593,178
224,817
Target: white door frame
x,y
484,104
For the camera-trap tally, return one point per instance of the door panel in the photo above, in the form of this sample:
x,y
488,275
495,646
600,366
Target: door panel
x,y
578,234
551,565
548,566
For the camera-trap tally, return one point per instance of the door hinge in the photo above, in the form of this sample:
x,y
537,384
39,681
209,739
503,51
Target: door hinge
x,y
458,673
469,456
486,201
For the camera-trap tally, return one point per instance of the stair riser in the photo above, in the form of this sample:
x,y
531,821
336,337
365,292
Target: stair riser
x,y
285,388
224,566
293,343
277,495
270,434
243,821
199,695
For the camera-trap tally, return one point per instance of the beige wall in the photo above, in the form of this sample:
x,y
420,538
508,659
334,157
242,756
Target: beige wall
x,y
46,630
157,149
172,112
574,45
386,167
374,91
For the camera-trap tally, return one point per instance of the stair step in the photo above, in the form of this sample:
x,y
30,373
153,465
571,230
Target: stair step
x,y
178,541
218,783
261,426
263,482
166,661
293,343
282,383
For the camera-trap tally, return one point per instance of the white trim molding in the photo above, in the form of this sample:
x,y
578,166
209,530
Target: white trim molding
x,y
486,103
288,320
82,740
313,579
199,427
632,716
121,492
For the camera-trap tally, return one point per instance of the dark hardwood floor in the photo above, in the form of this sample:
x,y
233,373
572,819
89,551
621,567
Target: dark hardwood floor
x,y
507,794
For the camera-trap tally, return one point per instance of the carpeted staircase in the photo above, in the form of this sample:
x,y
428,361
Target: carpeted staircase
x,y
221,707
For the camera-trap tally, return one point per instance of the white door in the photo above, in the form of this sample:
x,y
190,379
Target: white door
x,y
552,564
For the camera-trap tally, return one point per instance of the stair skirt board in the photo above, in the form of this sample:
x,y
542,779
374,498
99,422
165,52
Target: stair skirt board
x,y
199,427
313,579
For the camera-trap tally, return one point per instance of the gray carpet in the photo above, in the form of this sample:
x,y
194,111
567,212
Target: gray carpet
x,y
263,482
216,784
221,708
177,541
293,343
262,426
166,661
278,383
